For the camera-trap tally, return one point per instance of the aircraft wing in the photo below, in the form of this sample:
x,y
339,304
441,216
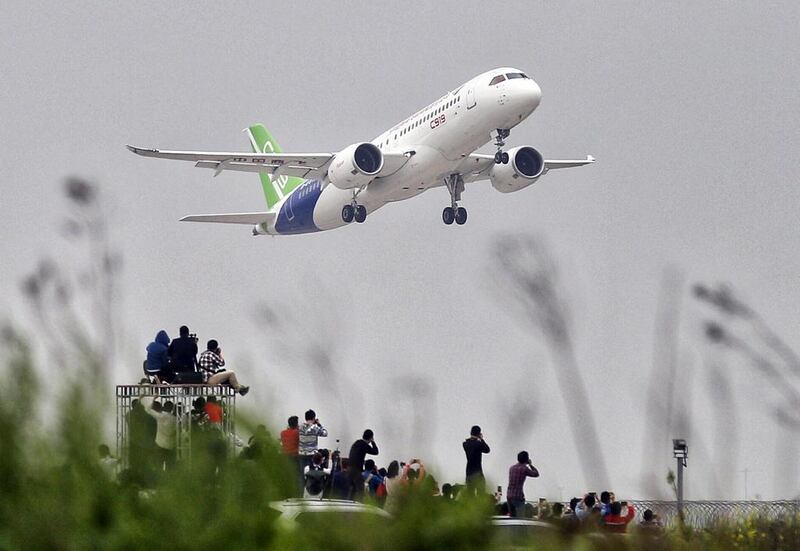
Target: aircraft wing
x,y
250,218
302,165
477,166
554,164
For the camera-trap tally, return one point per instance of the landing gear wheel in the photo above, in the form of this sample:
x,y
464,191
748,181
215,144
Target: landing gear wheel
x,y
347,213
361,213
498,157
448,215
504,158
461,216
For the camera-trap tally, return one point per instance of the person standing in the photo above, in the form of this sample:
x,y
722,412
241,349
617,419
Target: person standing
x,y
290,446
340,487
308,439
142,429
183,352
167,425
358,452
214,412
517,475
109,463
394,487
315,477
474,448
614,521
290,438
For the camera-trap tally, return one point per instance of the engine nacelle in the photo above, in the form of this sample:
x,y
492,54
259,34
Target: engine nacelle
x,y
524,166
355,166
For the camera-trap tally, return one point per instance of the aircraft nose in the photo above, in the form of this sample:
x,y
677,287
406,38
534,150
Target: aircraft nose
x,y
533,94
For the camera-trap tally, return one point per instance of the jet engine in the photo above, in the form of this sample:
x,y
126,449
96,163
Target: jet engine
x,y
355,166
524,166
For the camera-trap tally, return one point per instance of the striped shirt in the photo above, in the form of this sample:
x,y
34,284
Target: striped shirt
x,y
309,434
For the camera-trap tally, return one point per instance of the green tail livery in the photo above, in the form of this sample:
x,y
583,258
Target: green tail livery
x,y
275,189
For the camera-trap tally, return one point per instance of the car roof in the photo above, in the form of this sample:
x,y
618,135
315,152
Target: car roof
x,y
296,505
511,521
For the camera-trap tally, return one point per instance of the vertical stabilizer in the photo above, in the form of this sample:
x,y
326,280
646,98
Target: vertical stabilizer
x,y
275,187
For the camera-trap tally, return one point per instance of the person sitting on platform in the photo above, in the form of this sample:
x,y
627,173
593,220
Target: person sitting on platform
x,y
157,363
211,364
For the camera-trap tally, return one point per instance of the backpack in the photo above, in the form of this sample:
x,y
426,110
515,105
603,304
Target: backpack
x,y
314,480
381,491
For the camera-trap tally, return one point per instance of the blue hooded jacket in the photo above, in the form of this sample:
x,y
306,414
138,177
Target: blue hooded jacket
x,y
157,353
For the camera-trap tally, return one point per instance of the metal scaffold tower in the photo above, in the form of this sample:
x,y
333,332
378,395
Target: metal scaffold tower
x,y
185,400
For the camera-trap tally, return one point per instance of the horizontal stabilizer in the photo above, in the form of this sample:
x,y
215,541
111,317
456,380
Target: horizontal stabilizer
x,y
250,218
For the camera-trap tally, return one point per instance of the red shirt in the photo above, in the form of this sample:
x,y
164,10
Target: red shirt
x,y
290,441
618,523
214,412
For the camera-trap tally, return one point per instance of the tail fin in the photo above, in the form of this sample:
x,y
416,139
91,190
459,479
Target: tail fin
x,y
275,188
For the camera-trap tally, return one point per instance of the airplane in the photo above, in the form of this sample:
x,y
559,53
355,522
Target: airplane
x,y
434,147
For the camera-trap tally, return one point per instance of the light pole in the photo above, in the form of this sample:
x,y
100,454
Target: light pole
x,y
680,451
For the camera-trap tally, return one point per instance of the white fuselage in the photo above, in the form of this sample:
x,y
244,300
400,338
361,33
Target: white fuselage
x,y
437,138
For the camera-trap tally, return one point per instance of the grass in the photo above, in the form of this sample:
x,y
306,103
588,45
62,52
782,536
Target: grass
x,y
56,495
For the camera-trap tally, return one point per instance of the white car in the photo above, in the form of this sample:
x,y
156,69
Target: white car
x,y
298,511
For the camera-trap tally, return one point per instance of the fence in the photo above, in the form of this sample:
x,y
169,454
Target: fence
x,y
184,398
700,514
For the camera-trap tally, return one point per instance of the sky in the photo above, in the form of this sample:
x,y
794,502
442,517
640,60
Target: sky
x,y
690,108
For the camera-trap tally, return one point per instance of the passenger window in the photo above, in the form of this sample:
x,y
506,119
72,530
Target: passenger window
x,y
497,80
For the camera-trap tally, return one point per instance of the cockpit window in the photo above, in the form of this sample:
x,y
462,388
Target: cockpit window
x,y
516,75
497,80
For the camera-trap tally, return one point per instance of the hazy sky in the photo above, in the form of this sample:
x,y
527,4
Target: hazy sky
x,y
691,110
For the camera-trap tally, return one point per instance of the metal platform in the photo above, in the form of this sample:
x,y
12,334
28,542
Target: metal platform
x,y
183,397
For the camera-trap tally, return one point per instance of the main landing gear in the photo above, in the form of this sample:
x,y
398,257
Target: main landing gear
x,y
354,211
454,213
501,156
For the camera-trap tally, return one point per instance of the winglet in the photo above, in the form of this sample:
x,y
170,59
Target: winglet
x,y
143,151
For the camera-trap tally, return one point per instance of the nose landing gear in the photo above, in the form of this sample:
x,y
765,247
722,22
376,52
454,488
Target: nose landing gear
x,y
500,140
454,213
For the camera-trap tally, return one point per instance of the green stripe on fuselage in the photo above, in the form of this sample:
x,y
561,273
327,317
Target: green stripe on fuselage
x,y
280,186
